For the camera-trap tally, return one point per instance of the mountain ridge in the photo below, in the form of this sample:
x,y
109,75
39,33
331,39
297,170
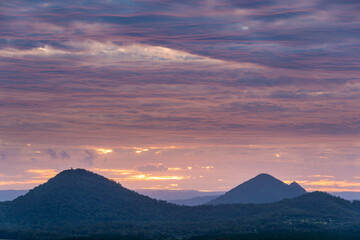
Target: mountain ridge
x,y
80,202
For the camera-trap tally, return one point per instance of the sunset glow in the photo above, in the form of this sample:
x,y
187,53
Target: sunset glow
x,y
104,151
181,94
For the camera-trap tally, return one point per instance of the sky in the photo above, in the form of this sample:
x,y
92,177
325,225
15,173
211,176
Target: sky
x,y
181,94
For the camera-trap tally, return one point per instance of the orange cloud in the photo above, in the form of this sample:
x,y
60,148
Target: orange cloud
x,y
9,183
133,175
115,171
333,183
328,185
174,169
103,150
207,167
149,177
43,173
321,176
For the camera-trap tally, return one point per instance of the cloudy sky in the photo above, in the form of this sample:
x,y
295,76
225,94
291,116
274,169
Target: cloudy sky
x,y
181,94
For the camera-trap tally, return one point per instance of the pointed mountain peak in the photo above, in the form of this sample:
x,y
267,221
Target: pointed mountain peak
x,y
264,175
263,188
264,179
294,184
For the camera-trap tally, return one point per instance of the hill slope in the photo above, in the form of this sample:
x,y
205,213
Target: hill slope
x,y
82,196
263,188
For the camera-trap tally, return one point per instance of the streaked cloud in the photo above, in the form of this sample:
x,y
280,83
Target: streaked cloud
x,y
328,184
29,183
207,167
116,171
139,150
110,53
152,168
174,169
43,173
321,176
242,86
332,183
103,150
156,178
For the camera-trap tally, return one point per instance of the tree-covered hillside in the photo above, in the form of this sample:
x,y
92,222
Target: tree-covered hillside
x,y
263,188
83,197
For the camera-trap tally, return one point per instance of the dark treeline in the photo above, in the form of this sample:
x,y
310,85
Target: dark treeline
x,y
245,236
353,235
284,236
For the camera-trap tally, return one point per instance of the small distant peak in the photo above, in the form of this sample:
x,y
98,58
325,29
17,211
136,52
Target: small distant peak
x,y
294,184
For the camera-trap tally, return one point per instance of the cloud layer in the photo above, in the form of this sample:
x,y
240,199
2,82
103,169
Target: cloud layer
x,y
244,86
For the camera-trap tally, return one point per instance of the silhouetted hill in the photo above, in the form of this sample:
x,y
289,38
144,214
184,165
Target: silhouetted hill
x,y
310,204
263,188
321,204
82,196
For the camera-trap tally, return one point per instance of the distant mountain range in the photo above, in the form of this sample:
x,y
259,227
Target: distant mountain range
x,y
182,197
196,201
347,195
171,195
8,195
79,202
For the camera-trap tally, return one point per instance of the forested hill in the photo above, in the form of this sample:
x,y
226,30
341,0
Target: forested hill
x,y
263,188
83,197
81,202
